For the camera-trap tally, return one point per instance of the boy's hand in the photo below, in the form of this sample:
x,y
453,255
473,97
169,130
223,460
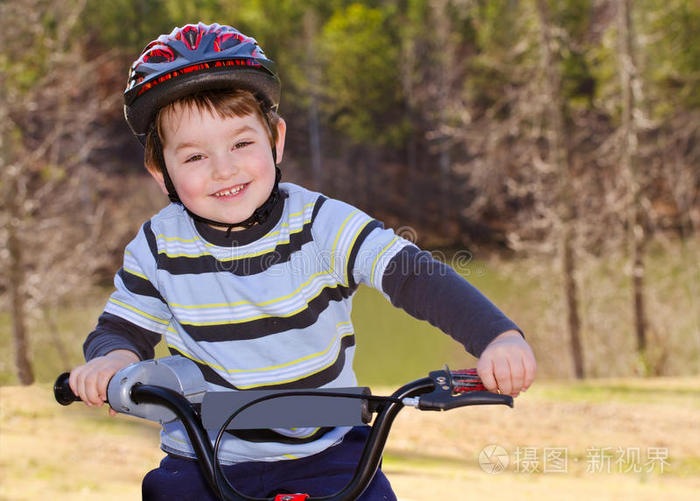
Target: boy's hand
x,y
507,365
89,381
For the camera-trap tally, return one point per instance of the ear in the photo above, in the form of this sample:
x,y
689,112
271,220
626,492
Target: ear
x,y
158,176
281,132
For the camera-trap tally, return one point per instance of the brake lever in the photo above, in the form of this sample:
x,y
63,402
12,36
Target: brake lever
x,y
445,397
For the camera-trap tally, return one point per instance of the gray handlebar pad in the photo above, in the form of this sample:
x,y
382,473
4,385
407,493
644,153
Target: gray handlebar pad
x,y
285,412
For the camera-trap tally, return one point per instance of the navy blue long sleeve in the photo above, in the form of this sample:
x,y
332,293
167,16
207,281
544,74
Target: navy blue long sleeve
x,y
430,290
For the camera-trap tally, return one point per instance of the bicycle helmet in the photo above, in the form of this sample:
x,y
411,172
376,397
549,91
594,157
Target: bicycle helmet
x,y
194,58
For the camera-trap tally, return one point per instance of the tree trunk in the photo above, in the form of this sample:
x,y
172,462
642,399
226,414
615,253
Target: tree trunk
x,y
565,194
411,187
25,374
443,32
315,144
571,294
11,191
630,110
310,29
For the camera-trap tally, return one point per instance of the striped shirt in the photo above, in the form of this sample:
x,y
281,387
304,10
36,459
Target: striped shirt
x,y
269,307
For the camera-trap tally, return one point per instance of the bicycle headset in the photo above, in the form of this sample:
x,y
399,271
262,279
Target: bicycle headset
x,y
195,58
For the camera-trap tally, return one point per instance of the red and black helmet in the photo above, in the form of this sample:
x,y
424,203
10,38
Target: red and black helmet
x,y
193,58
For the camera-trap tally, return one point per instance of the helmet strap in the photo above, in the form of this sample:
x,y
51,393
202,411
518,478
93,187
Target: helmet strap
x,y
260,214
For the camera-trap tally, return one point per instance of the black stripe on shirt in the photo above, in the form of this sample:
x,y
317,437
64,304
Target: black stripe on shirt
x,y
182,265
317,206
139,285
150,239
316,380
241,267
265,435
262,327
356,248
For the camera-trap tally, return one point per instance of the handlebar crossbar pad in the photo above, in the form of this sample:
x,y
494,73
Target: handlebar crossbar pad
x,y
284,412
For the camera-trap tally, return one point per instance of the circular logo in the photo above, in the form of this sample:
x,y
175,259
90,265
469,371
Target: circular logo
x,y
493,459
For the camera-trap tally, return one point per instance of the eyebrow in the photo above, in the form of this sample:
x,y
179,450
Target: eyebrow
x,y
235,132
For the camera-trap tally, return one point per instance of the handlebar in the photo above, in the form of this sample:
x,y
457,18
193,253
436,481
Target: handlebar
x,y
441,390
62,392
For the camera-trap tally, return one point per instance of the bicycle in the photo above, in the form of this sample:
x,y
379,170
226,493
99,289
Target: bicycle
x,y
172,388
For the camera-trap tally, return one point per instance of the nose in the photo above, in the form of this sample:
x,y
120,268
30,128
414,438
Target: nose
x,y
223,167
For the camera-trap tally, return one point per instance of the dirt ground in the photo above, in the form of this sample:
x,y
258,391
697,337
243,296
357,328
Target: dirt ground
x,y
632,440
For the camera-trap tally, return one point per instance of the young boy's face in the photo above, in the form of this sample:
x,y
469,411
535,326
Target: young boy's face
x,y
222,168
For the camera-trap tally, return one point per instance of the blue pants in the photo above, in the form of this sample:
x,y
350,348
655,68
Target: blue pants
x,y
322,474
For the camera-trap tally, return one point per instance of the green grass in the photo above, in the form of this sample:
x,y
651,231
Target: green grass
x,y
74,323
682,392
77,452
393,347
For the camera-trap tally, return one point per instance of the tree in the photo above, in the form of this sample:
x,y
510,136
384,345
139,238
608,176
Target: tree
x,y
51,210
630,87
565,196
360,89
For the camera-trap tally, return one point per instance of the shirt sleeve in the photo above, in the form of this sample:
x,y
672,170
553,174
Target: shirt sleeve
x,y
136,315
355,247
431,290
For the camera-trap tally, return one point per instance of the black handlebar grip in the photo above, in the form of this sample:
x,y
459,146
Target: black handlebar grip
x,y
62,392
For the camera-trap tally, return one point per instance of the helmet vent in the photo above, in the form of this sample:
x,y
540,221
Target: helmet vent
x,y
190,35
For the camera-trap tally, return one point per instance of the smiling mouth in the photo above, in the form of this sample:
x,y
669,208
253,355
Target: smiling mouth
x,y
230,192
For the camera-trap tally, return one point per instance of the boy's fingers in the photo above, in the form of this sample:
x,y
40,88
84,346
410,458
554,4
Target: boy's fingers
x,y
530,367
485,370
502,372
80,386
91,390
104,378
517,376
74,381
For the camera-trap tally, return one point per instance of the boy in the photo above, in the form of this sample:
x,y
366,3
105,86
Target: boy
x,y
253,279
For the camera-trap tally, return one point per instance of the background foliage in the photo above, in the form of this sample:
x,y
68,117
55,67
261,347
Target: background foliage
x,y
429,114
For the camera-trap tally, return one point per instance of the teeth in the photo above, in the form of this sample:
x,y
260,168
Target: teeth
x,y
232,191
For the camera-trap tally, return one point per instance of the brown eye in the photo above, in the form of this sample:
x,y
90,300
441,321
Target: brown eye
x,y
194,158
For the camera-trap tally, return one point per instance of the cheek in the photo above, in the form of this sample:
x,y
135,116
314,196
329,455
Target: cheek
x,y
188,186
268,177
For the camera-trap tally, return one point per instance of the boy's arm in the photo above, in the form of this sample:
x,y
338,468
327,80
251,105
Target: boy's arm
x,y
135,318
432,291
362,251
115,333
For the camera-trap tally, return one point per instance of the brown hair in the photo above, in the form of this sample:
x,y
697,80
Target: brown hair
x,y
224,103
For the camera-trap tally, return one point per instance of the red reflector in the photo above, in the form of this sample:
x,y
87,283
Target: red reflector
x,y
291,497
